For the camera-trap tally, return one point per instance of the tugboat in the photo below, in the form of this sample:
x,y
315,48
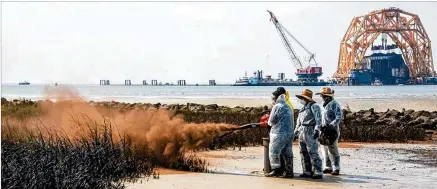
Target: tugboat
x,y
24,83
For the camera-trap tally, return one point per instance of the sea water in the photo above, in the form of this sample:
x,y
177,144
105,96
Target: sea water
x,y
144,93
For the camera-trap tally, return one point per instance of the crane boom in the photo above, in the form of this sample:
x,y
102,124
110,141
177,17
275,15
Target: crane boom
x,y
292,54
297,63
311,54
305,72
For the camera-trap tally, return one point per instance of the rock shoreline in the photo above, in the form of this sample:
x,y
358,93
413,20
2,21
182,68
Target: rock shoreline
x,y
362,126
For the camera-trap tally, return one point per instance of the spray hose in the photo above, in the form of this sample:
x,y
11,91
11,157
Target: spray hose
x,y
242,127
261,124
247,126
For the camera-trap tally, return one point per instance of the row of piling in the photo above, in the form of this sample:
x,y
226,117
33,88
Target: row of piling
x,y
154,82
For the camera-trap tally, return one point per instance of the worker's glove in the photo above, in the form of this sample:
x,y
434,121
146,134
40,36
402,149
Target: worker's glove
x,y
316,134
263,121
264,118
263,124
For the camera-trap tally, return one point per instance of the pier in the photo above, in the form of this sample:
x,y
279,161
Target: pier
x,y
155,82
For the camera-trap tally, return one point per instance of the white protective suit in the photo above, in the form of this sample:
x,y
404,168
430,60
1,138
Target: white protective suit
x,y
281,134
308,121
332,115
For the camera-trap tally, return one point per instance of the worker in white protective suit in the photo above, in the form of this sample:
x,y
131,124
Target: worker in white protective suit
x,y
281,136
308,127
331,117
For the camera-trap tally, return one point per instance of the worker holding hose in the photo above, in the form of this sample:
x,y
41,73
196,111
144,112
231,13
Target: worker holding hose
x,y
332,115
281,135
308,129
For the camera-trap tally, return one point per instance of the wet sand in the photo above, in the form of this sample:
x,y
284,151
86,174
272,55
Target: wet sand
x,y
363,166
163,171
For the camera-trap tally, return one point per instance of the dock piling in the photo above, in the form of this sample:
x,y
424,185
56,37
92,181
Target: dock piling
x,y
181,83
154,82
212,83
104,82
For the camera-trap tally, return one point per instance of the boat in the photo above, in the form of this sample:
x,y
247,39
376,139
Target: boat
x,y
244,81
259,80
24,83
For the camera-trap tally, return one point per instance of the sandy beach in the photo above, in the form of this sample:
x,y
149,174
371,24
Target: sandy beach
x,y
390,166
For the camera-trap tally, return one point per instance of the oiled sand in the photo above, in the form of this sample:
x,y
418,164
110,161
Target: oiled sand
x,y
362,166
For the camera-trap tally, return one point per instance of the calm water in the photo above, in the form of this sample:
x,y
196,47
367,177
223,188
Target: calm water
x,y
142,93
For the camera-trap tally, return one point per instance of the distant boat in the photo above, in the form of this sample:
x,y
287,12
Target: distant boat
x,y
24,83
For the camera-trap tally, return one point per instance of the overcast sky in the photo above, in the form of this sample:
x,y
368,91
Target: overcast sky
x,y
83,42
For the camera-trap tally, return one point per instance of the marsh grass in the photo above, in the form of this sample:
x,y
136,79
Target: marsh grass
x,y
35,155
42,159
20,111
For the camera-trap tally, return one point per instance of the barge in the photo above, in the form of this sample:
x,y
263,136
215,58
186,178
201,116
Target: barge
x,y
259,80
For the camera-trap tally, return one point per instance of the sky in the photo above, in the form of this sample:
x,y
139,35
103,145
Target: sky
x,y
84,42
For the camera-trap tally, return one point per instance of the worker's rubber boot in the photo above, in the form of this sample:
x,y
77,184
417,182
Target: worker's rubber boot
x,y
287,174
274,173
305,175
336,172
288,168
327,171
317,176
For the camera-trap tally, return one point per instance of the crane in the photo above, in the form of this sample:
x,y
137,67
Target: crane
x,y
309,73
